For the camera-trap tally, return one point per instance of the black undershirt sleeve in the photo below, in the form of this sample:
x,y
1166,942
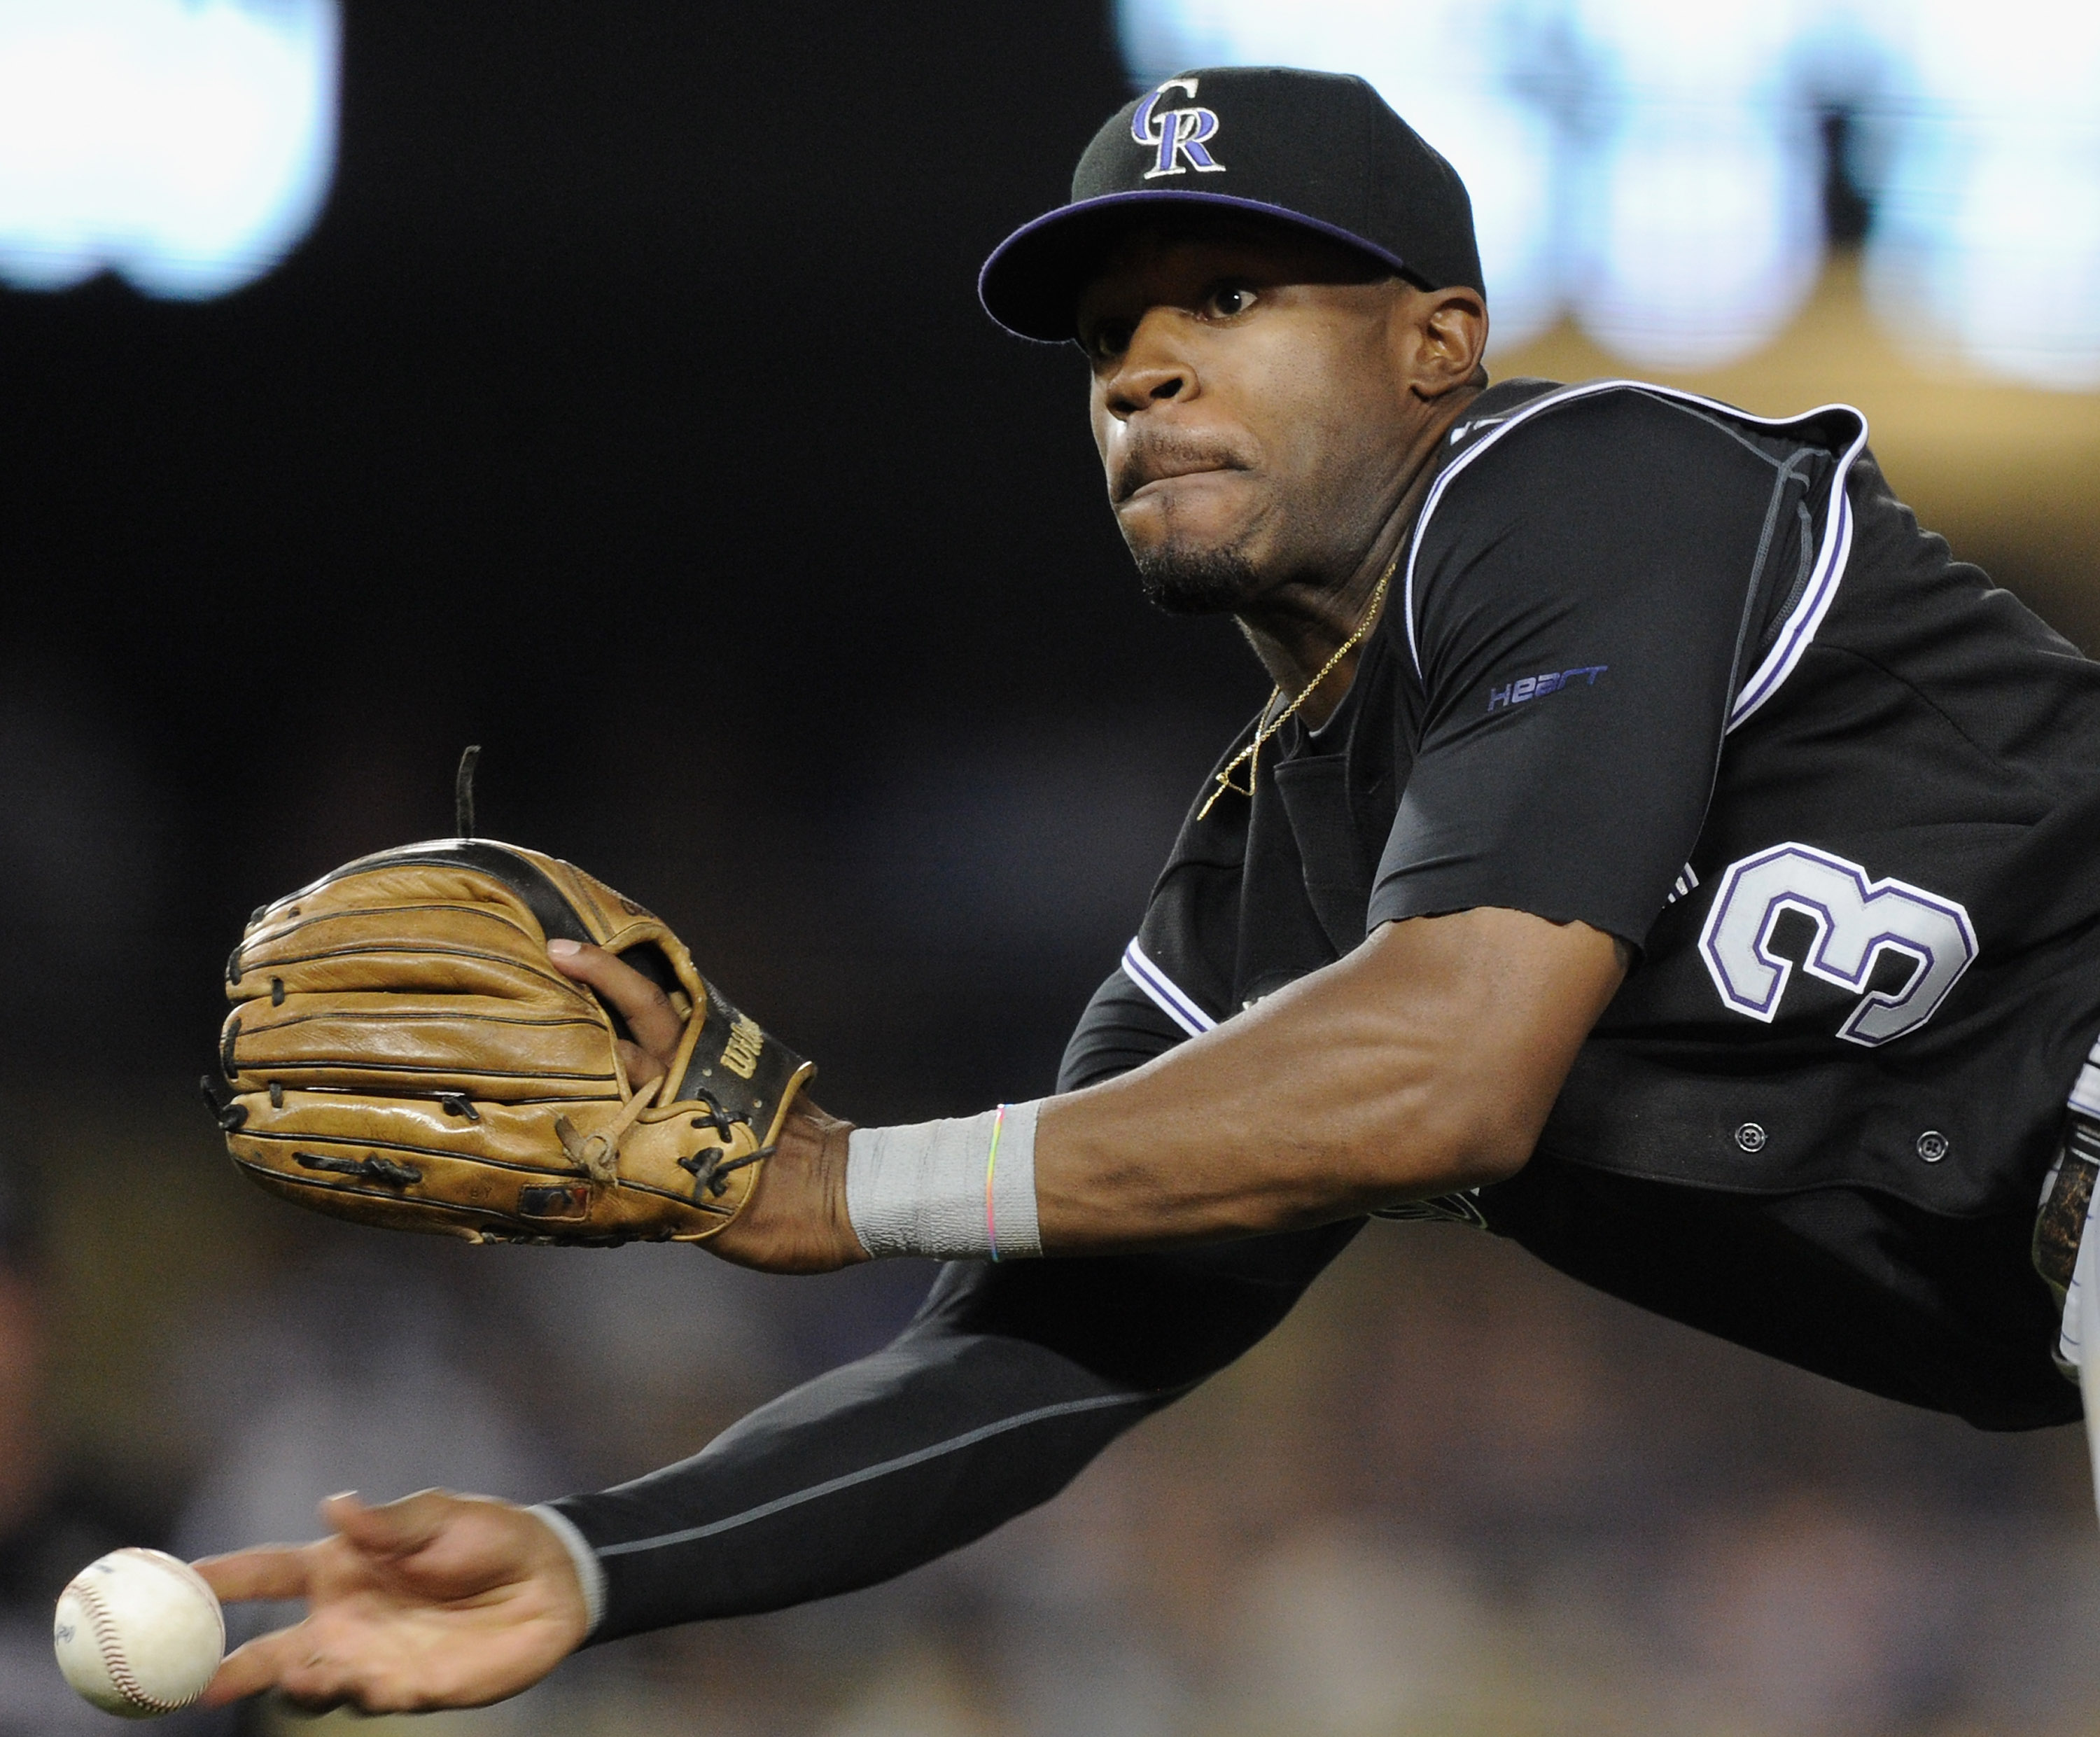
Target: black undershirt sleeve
x,y
1011,1379
1579,607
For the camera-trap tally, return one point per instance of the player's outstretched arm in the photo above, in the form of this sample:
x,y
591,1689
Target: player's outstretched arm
x,y
433,1600
1422,1063
1011,1380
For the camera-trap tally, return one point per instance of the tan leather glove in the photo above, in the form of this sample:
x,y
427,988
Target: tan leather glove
x,y
402,1053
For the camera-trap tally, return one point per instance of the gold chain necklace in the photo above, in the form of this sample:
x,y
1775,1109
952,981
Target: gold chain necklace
x,y
1249,756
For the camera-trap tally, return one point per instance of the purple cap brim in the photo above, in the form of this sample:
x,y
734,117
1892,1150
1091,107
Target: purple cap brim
x,y
1032,279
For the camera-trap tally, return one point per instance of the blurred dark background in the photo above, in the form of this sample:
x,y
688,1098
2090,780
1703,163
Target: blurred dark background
x,y
630,412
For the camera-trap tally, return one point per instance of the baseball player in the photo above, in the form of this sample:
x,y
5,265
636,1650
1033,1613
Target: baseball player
x,y
1657,850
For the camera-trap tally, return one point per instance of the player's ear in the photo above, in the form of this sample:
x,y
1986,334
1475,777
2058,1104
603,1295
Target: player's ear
x,y
1444,334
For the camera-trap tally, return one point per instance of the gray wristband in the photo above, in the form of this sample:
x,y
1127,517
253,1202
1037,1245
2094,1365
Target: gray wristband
x,y
959,1190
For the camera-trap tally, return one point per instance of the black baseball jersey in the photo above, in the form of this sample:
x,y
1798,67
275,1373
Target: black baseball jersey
x,y
1697,679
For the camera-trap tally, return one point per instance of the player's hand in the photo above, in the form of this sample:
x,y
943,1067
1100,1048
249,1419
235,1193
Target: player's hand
x,y
796,1221
433,1601
650,1016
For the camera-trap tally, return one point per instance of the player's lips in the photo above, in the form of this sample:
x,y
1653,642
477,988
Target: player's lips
x,y
1148,476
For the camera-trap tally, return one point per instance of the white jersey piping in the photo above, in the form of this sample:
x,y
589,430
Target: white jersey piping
x,y
903,1462
1165,994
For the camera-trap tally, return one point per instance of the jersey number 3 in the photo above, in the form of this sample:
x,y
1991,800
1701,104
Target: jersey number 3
x,y
1857,922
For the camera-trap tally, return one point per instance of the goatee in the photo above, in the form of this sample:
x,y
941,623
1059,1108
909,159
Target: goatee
x,y
1182,580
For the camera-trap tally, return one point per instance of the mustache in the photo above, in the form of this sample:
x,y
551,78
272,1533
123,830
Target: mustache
x,y
1152,455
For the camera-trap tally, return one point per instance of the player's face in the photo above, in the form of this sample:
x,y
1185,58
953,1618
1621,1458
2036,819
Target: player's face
x,y
1251,407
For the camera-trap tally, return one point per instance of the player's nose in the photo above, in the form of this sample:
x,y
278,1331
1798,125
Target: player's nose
x,y
1151,370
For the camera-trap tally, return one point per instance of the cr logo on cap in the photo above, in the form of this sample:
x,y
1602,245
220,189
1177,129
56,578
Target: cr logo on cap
x,y
1177,135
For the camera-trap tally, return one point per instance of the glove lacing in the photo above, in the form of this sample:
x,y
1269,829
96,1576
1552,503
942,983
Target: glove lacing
x,y
599,1153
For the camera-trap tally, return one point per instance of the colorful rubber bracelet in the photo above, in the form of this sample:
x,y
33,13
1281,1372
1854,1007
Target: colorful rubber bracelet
x,y
991,1164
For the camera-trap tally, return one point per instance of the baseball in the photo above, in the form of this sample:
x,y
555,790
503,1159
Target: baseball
x,y
138,1633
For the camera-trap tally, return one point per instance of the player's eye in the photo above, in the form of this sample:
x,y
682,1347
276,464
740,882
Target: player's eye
x,y
1108,339
1228,299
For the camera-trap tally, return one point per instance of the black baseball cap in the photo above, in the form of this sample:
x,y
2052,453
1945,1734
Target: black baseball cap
x,y
1321,151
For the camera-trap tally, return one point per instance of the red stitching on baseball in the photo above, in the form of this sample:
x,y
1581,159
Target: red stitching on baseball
x,y
113,1653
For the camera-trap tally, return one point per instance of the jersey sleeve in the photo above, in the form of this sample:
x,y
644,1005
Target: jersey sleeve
x,y
1124,1027
1011,1380
1575,614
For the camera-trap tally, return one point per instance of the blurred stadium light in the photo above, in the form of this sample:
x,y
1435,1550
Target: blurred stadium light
x,y
1664,172
185,144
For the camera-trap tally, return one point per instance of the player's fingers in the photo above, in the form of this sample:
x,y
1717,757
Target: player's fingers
x,y
259,1665
392,1529
641,1067
316,1682
274,1571
646,1008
